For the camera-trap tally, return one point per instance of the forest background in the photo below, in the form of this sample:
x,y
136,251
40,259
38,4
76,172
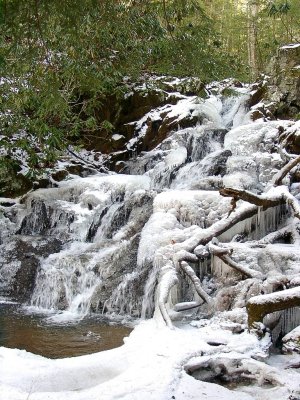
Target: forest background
x,y
62,60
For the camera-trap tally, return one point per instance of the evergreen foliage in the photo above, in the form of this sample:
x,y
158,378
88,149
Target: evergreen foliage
x,y
61,60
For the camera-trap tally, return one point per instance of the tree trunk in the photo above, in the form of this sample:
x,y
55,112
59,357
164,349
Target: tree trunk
x,y
252,9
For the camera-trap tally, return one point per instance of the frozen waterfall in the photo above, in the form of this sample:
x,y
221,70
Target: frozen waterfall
x,y
110,227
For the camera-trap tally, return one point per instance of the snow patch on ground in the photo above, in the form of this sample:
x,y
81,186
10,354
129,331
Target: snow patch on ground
x,y
128,373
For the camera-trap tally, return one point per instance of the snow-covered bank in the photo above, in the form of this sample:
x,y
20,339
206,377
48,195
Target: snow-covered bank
x,y
152,364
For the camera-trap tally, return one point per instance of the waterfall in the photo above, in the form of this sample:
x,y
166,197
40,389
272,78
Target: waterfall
x,y
110,227
101,249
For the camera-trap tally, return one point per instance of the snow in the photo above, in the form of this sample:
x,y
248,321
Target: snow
x,y
291,341
176,157
117,137
291,46
155,362
248,139
128,373
190,107
277,297
196,206
253,163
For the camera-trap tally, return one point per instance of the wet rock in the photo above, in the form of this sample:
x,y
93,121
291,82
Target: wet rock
x,y
142,97
256,114
20,259
46,218
232,372
59,175
78,169
189,86
290,137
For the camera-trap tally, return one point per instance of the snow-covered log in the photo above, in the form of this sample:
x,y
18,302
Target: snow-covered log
x,y
274,197
203,240
259,306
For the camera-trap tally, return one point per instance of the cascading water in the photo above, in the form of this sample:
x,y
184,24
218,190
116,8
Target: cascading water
x,y
110,227
107,216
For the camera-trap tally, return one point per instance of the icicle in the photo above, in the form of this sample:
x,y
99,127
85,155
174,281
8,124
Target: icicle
x,y
148,301
289,320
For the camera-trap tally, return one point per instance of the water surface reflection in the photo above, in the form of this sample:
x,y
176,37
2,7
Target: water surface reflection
x,y
33,333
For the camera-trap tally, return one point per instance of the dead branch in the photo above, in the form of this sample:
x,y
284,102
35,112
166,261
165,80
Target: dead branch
x,y
292,202
202,241
233,204
274,236
189,305
258,200
259,306
87,163
284,140
188,270
267,200
204,236
222,253
184,255
277,179
166,283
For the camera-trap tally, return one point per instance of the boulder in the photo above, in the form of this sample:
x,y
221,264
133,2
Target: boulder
x,y
284,82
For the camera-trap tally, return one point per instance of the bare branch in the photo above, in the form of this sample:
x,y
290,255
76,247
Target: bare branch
x,y
292,202
188,305
258,200
188,270
222,253
277,179
281,196
167,281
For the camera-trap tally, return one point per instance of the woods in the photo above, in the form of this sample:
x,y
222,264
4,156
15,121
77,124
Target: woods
x,y
149,181
62,63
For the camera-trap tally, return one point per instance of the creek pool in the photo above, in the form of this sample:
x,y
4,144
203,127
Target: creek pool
x,y
35,333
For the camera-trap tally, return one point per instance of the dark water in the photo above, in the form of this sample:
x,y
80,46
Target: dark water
x,y
35,334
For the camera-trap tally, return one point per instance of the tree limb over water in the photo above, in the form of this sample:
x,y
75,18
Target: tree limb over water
x,y
203,243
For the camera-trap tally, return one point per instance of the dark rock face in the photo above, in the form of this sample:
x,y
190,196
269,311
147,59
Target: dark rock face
x,y
44,219
284,71
150,93
20,259
47,226
257,94
290,140
12,183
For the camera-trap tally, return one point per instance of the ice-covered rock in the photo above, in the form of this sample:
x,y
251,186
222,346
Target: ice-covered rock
x,y
291,341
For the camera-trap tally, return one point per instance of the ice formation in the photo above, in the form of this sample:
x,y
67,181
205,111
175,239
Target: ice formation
x,y
160,240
